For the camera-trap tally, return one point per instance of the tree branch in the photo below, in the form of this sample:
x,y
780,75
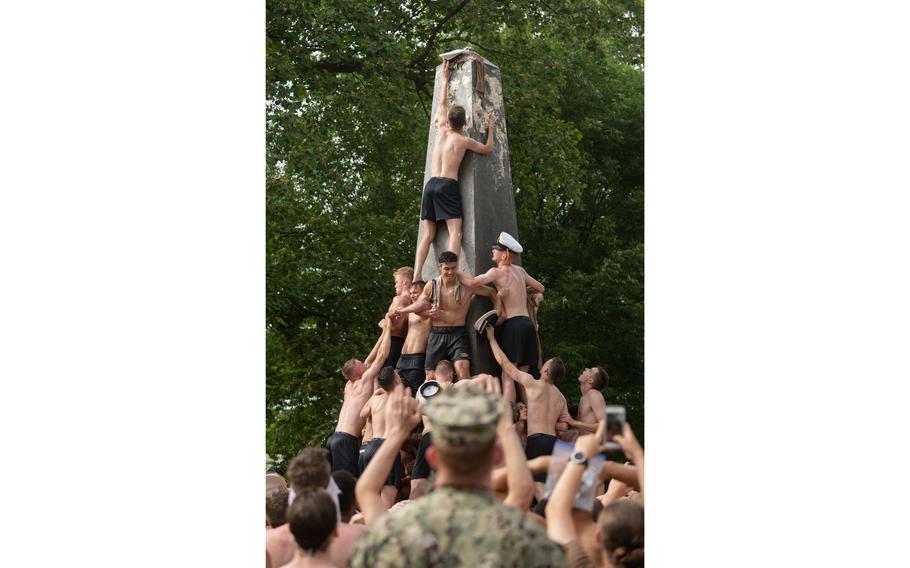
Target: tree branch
x,y
431,41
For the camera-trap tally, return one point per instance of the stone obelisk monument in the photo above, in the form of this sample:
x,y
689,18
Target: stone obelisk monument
x,y
485,182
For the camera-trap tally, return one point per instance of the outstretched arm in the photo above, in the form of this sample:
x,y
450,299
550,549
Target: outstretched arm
x,y
402,414
442,112
634,452
477,147
372,356
560,527
532,284
627,474
521,483
476,281
381,354
508,368
422,303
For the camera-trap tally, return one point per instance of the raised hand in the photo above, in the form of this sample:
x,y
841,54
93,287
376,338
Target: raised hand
x,y
591,444
629,443
402,411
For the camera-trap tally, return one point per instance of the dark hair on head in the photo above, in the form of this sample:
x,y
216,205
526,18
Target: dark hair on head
x,y
557,369
418,283
600,378
456,117
312,518
387,377
276,507
446,365
622,533
447,256
309,468
345,481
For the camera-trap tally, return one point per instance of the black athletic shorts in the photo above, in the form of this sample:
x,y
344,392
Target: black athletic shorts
x,y
421,465
411,370
441,199
369,450
447,343
396,343
518,340
343,452
539,445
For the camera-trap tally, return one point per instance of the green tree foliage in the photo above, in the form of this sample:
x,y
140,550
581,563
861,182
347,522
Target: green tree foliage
x,y
349,88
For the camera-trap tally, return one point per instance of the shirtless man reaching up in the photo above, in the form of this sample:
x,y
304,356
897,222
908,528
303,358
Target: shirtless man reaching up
x,y
344,444
403,277
546,406
517,333
411,363
375,410
441,200
448,301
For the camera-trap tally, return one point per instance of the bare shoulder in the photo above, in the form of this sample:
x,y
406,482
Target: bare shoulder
x,y
594,395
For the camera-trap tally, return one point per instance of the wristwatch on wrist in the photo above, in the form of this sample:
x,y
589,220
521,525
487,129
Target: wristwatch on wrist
x,y
579,457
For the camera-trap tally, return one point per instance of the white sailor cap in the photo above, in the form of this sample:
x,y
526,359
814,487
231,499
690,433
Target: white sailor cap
x,y
507,242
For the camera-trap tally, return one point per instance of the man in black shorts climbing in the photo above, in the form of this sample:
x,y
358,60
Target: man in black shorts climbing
x,y
411,363
517,335
441,199
448,303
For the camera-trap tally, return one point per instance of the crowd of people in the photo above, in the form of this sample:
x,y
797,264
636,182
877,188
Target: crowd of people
x,y
431,466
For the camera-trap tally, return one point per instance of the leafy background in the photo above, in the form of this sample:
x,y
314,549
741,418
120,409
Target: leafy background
x,y
349,88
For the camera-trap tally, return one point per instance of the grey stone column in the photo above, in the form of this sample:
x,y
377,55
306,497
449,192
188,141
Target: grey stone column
x,y
485,183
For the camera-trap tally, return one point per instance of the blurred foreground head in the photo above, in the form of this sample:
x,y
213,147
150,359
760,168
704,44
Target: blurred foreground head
x,y
464,429
622,533
313,520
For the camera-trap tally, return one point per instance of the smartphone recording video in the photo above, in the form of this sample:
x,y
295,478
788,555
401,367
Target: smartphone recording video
x,y
616,417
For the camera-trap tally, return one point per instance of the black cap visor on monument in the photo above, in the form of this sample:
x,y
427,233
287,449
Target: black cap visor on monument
x,y
500,246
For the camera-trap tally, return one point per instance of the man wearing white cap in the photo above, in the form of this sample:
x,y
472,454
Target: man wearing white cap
x,y
518,335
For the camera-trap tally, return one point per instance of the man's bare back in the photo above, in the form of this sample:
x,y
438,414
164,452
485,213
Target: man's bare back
x,y
375,409
510,282
356,394
448,151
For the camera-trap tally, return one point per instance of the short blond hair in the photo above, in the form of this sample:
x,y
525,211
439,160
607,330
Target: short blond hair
x,y
405,271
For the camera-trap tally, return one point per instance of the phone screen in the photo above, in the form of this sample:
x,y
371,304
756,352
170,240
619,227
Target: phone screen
x,y
616,417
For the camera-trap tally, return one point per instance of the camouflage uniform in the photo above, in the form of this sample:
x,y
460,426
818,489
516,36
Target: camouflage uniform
x,y
457,526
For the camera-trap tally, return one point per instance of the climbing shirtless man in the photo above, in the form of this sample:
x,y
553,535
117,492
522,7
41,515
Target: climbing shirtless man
x,y
517,333
403,277
375,409
546,406
448,301
411,363
344,444
441,200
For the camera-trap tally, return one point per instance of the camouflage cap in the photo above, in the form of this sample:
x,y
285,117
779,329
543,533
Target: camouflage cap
x,y
463,416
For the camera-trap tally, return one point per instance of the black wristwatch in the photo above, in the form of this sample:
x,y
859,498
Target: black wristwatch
x,y
579,458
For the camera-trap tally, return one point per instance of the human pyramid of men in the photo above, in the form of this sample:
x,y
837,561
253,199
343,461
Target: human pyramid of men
x,y
416,382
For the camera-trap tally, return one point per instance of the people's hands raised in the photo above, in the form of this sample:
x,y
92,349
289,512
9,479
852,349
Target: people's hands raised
x,y
629,443
591,444
403,411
